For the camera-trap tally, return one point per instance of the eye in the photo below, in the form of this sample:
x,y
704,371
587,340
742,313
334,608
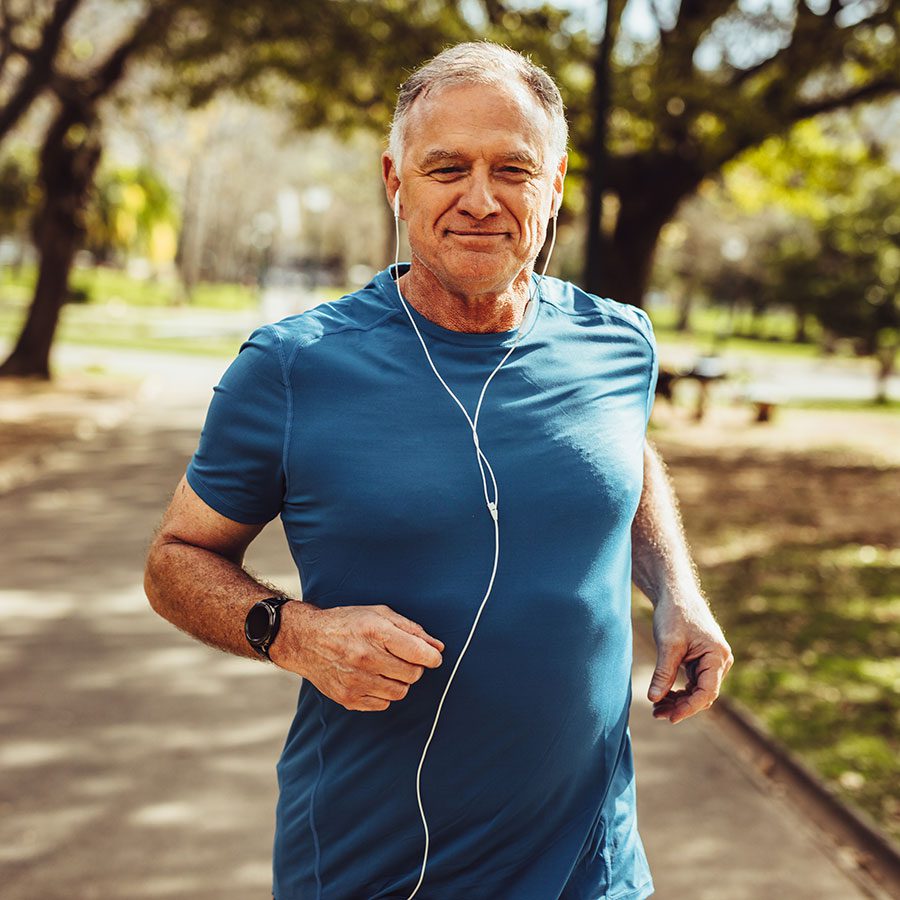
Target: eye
x,y
447,174
515,172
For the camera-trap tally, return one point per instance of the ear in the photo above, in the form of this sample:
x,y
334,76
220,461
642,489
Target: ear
x,y
558,180
391,181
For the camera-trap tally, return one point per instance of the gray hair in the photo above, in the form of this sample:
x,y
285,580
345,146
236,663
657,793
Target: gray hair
x,y
479,62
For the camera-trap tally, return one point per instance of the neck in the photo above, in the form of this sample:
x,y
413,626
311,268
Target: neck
x,y
477,313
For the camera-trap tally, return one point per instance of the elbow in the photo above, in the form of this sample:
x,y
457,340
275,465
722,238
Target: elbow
x,y
151,579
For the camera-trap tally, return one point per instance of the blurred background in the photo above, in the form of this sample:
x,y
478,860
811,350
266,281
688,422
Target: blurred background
x,y
174,173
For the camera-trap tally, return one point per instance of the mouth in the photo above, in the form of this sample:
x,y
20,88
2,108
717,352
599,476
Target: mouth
x,y
477,234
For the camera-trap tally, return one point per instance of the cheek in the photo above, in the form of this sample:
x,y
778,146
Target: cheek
x,y
533,228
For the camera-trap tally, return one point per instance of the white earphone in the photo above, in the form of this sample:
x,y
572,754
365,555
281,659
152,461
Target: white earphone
x,y
484,468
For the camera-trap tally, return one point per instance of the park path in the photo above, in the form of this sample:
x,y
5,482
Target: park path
x,y
138,763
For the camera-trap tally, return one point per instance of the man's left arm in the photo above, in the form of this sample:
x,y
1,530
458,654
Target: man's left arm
x,y
683,625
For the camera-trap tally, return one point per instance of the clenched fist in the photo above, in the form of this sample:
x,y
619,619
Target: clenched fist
x,y
362,657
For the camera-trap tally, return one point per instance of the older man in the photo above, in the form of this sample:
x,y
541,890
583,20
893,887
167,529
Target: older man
x,y
465,485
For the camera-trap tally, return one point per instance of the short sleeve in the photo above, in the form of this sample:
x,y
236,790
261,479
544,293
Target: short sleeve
x,y
238,466
653,373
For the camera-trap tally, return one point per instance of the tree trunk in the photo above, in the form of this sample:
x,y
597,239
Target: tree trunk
x,y
68,161
650,195
595,244
801,332
886,359
685,304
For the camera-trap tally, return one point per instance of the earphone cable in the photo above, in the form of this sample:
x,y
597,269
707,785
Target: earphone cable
x,y
493,506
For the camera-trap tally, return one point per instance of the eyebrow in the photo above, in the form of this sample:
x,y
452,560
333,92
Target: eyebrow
x,y
438,156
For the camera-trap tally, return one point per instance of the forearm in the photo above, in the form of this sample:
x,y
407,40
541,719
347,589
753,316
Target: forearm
x,y
662,566
204,594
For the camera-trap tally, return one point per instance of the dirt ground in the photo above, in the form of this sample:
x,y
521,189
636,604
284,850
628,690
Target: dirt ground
x,y
810,474
40,419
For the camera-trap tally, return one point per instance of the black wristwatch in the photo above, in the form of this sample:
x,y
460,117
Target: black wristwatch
x,y
262,623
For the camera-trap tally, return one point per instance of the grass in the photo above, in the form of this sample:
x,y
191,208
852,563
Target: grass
x,y
128,313
888,406
103,285
799,557
710,330
99,326
816,631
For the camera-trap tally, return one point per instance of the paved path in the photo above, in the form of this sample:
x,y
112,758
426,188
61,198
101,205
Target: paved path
x,y
139,763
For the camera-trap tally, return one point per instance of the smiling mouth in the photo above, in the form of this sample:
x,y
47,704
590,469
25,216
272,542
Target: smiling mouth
x,y
477,233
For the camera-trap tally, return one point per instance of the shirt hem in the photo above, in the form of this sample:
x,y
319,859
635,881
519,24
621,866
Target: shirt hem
x,y
636,894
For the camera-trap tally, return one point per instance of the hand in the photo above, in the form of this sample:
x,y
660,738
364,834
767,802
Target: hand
x,y
687,634
362,657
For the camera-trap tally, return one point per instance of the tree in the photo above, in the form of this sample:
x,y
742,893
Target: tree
x,y
849,278
68,158
331,50
672,122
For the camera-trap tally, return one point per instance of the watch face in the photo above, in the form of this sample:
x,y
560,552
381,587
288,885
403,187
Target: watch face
x,y
258,624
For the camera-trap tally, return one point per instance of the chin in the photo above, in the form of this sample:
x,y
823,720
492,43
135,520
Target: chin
x,y
482,272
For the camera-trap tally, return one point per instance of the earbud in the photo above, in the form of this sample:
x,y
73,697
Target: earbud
x,y
397,204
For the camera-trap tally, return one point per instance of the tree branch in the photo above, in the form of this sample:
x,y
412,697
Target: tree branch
x,y
694,20
148,30
890,84
40,67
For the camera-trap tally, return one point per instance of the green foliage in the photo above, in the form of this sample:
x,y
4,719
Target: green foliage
x,y
339,64
832,244
132,212
19,192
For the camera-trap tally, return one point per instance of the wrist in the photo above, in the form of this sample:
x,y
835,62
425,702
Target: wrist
x,y
285,650
686,597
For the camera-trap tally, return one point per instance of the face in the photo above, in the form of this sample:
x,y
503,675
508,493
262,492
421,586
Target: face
x,y
477,184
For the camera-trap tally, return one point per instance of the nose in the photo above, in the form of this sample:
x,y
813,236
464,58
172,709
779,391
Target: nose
x,y
478,199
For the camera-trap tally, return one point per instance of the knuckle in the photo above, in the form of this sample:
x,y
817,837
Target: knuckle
x,y
370,628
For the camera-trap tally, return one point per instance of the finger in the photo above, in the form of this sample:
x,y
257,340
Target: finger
x,y
411,648
668,703
385,688
690,668
390,666
372,704
686,705
667,662
410,627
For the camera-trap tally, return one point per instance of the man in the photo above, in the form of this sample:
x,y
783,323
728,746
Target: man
x,y
419,501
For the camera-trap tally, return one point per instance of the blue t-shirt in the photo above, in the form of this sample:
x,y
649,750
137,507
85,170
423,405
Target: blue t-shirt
x,y
334,420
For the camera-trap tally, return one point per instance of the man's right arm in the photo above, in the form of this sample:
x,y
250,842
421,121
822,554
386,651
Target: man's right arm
x,y
362,657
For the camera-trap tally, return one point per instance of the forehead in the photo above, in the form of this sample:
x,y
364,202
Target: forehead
x,y
478,120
